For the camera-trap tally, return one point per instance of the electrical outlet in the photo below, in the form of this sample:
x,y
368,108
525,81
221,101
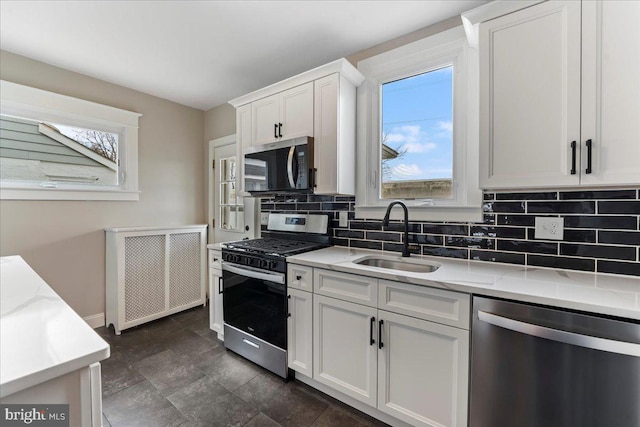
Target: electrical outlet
x,y
549,228
343,219
264,218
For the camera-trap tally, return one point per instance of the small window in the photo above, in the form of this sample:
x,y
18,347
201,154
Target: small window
x,y
41,152
417,130
417,136
55,147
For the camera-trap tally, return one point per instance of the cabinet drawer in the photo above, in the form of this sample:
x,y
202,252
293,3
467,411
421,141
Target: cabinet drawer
x,y
438,305
215,259
300,277
345,286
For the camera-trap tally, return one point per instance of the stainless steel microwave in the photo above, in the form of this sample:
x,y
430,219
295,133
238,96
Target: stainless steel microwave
x,y
283,166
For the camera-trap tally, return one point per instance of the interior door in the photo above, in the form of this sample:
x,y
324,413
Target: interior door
x,y
231,216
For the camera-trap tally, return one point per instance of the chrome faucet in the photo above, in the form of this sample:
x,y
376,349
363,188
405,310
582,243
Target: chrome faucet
x,y
405,238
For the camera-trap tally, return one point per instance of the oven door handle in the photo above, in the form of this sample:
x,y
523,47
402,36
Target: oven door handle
x,y
269,277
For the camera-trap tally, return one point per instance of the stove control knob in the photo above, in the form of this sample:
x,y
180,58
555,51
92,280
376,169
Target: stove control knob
x,y
273,264
264,263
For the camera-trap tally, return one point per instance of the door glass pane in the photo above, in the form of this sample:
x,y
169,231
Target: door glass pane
x,y
416,147
231,205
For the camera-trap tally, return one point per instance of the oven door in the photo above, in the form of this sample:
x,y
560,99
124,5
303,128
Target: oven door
x,y
255,302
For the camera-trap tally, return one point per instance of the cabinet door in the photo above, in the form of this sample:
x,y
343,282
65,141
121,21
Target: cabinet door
x,y
423,371
265,116
343,356
216,322
530,97
334,135
611,92
243,140
296,112
300,332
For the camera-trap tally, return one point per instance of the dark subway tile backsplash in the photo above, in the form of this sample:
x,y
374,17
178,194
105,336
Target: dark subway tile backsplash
x,y
601,229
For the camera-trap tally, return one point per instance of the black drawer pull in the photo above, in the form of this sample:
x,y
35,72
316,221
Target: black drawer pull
x,y
275,130
371,340
280,130
589,146
380,344
298,277
288,298
573,157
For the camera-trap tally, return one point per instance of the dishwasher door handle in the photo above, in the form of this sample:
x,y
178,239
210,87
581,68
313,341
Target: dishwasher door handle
x,y
595,343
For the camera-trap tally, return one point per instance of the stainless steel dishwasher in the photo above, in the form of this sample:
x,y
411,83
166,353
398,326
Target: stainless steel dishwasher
x,y
533,366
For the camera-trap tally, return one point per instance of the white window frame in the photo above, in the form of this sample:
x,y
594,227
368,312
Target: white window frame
x,y
36,104
446,48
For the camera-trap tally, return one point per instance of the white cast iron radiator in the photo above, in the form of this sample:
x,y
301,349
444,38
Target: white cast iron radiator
x,y
152,272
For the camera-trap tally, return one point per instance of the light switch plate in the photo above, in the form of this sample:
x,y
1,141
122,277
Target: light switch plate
x,y
343,219
550,228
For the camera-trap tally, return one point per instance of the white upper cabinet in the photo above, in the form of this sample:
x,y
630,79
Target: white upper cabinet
x,y
286,115
611,92
334,144
320,103
559,92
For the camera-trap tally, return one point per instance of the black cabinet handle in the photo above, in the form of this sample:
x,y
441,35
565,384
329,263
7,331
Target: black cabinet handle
x,y
573,157
280,130
288,299
589,144
371,340
380,344
275,130
220,285
298,277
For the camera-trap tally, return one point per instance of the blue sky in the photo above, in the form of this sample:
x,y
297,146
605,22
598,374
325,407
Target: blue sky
x,y
417,118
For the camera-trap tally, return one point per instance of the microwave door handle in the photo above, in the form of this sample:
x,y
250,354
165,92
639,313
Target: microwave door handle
x,y
292,151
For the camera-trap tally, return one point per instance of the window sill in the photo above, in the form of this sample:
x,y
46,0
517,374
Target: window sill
x,y
32,193
424,213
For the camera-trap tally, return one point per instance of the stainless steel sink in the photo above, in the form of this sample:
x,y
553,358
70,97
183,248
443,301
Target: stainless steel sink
x,y
396,264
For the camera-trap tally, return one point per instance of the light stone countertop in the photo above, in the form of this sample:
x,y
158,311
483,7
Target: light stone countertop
x,y
41,337
592,292
215,246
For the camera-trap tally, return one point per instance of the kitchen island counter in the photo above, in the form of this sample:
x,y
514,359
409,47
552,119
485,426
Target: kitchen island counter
x,y
41,337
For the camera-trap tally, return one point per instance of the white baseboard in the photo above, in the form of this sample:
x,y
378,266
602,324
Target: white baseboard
x,y
95,320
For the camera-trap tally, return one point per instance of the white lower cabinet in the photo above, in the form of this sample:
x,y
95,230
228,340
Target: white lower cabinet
x,y
344,357
423,371
300,333
216,319
406,366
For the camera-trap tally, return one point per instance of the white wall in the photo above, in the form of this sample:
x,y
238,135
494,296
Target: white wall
x,y
64,241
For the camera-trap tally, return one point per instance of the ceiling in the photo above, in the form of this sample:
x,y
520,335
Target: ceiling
x,y
204,53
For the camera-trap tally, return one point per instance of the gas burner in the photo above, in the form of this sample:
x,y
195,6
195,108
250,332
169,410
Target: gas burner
x,y
274,247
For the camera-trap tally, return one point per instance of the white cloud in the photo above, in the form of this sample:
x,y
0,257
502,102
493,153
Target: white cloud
x,y
445,126
406,171
415,147
409,138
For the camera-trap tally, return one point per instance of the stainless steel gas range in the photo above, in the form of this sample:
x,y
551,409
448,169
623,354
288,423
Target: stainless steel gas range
x,y
254,277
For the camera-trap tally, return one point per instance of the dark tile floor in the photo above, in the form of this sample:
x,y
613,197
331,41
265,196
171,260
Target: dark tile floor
x,y
175,372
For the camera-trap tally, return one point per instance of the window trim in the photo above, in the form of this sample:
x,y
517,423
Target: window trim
x,y
448,47
37,104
